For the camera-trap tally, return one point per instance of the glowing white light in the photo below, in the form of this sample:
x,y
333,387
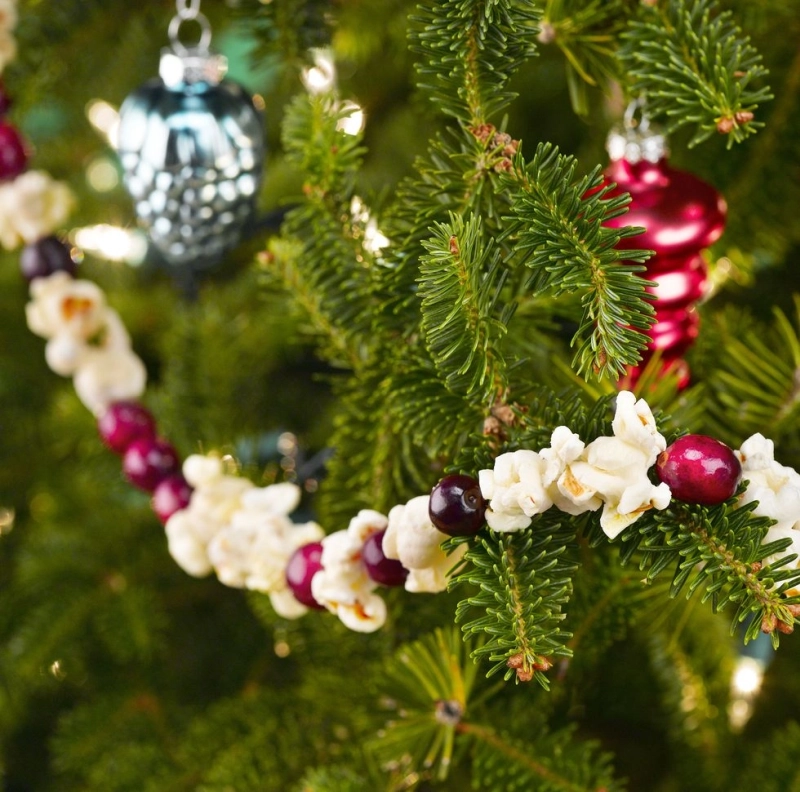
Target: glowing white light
x,y
352,123
104,117
374,240
7,517
112,243
321,77
747,677
745,685
102,175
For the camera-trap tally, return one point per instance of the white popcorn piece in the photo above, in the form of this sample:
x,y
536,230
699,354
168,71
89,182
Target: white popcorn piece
x,y
215,499
613,470
343,585
412,539
775,486
62,305
253,549
106,376
515,490
32,206
563,488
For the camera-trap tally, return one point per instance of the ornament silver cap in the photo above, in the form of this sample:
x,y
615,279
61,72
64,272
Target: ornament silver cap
x,y
636,139
181,64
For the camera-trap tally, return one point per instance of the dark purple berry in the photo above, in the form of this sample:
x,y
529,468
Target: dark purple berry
x,y
148,461
381,569
123,422
304,563
13,154
5,99
47,255
171,495
457,507
699,469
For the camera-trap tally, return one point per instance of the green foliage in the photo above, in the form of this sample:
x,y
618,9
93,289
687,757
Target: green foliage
x,y
460,282
772,764
523,580
470,49
558,229
757,378
718,549
554,762
695,67
432,681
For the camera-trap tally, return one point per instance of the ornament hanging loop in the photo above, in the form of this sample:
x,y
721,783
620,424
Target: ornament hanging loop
x,y
190,63
635,116
190,13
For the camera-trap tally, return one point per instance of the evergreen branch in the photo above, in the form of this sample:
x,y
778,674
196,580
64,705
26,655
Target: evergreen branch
x,y
433,678
557,224
470,50
325,270
696,68
757,380
720,550
553,763
523,580
586,34
463,170
460,282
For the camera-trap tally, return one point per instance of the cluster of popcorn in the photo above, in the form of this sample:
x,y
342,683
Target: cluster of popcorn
x,y
244,534
609,472
85,340
776,489
32,204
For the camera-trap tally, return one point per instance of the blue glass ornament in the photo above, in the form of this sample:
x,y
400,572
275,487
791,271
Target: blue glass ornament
x,y
191,145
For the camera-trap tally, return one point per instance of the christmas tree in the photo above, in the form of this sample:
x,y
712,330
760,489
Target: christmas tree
x,y
534,450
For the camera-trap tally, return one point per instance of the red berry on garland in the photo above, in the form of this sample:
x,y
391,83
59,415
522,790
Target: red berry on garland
x,y
42,258
303,564
171,495
123,422
681,215
148,461
699,469
383,570
13,157
457,507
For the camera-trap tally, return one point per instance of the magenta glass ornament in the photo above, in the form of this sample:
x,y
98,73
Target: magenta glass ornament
x,y
13,154
171,495
148,461
304,563
123,422
681,215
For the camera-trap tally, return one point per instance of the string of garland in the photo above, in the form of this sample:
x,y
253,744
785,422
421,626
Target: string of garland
x,y
220,522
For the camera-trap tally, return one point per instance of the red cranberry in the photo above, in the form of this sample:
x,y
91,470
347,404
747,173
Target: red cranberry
x,y
148,461
699,469
123,422
13,157
381,569
171,495
44,257
457,507
304,563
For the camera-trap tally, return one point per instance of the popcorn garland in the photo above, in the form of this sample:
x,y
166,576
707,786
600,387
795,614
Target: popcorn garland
x,y
221,523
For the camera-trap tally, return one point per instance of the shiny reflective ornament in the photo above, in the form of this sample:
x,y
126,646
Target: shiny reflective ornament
x,y
681,215
191,146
